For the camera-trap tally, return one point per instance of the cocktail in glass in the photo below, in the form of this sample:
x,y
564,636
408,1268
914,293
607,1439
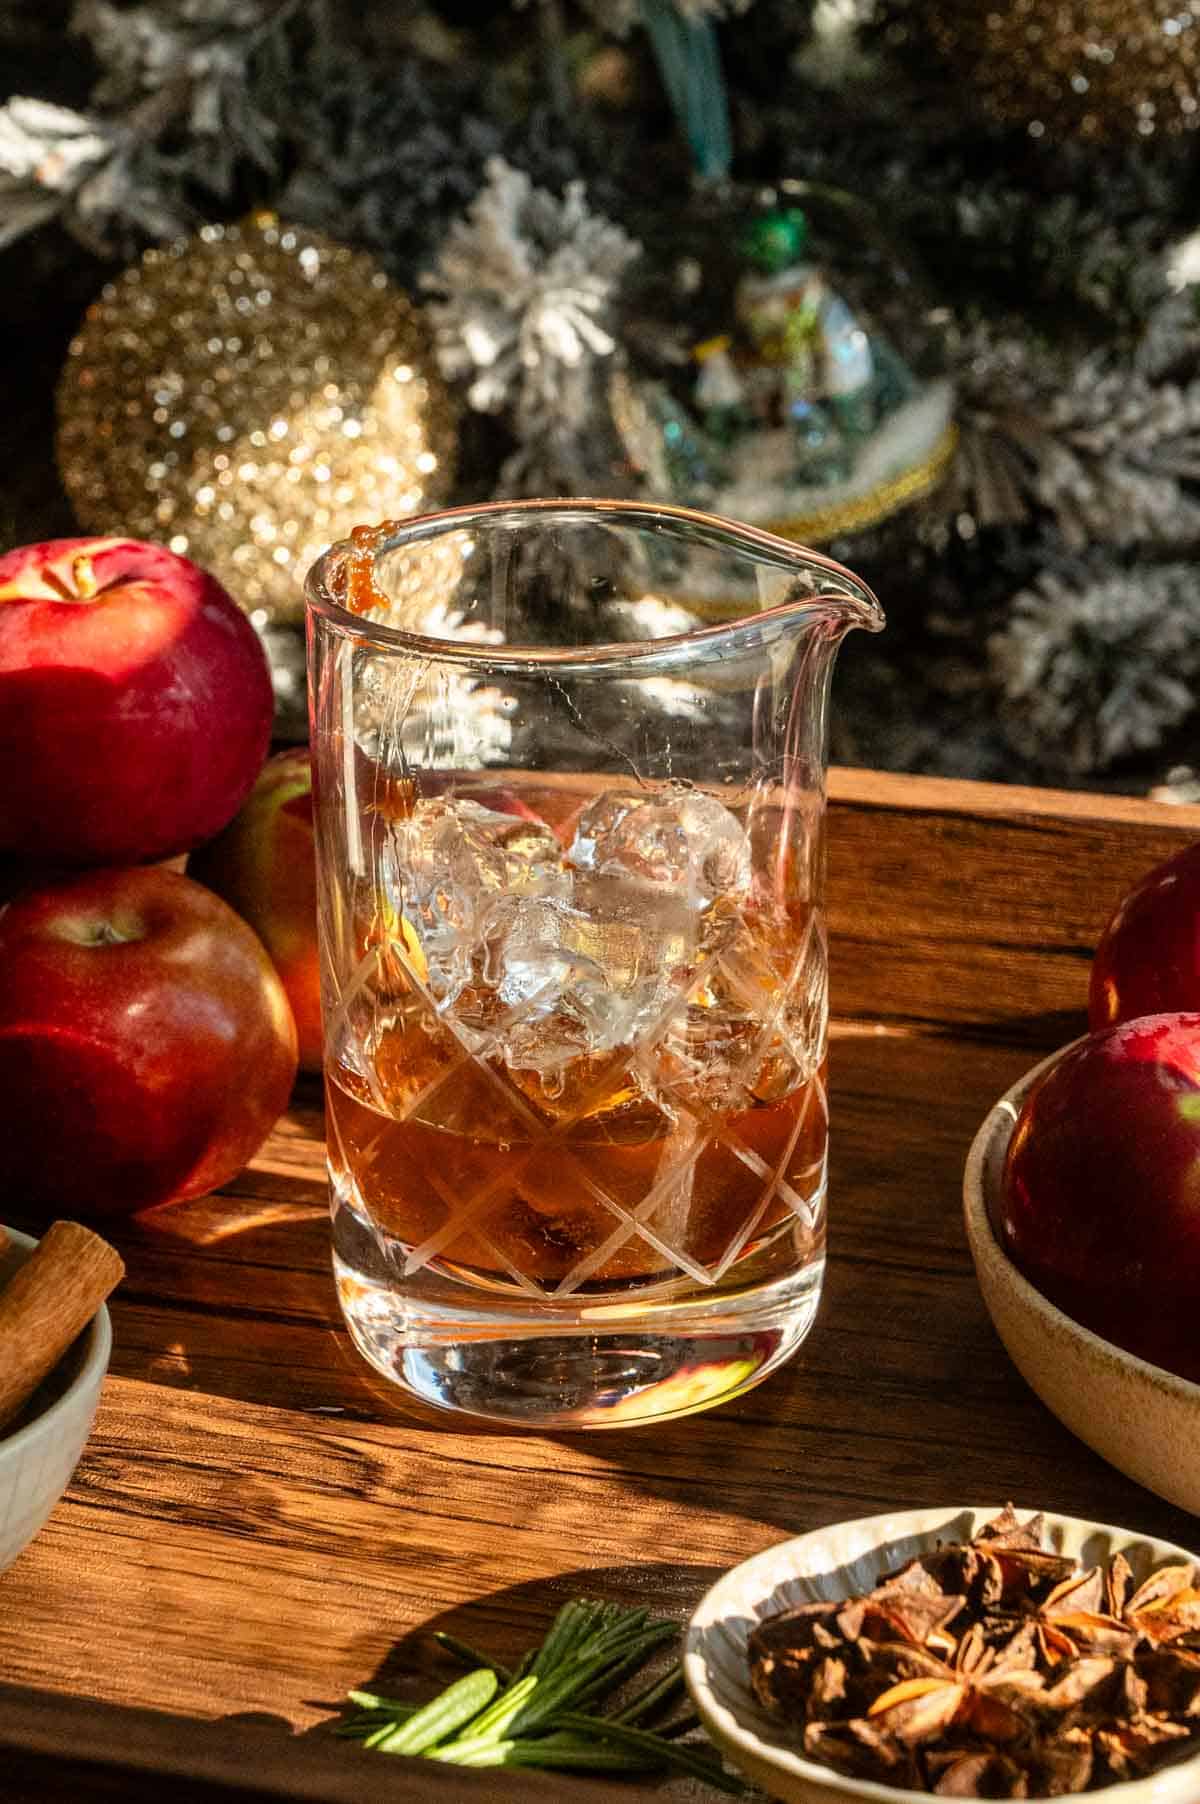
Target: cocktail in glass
x,y
570,770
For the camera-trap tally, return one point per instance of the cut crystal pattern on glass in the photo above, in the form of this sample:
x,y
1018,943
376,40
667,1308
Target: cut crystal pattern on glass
x,y
574,1011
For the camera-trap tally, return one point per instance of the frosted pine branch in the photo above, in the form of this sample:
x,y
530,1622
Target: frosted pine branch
x,y
205,46
525,281
524,288
140,47
1109,454
179,72
47,153
1095,668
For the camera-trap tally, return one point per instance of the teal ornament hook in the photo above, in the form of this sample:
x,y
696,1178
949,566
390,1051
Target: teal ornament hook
x,y
689,59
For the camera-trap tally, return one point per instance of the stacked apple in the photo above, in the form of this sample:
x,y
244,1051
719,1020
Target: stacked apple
x,y
147,1043
1100,1207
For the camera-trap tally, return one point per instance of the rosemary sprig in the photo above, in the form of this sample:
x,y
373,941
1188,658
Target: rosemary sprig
x,y
653,1698
543,1714
470,1656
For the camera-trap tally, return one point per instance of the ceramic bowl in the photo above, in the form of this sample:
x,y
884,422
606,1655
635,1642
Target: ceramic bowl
x,y
836,1562
37,1460
1144,1421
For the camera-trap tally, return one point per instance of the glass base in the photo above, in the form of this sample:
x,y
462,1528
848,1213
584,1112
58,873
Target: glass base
x,y
607,1361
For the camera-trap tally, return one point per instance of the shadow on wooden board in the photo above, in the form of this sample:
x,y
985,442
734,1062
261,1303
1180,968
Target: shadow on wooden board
x,y
53,1747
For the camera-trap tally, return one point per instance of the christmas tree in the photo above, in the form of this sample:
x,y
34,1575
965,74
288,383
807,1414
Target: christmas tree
x,y
914,279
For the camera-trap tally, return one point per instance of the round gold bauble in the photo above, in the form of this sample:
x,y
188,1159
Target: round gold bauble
x,y
248,395
1089,69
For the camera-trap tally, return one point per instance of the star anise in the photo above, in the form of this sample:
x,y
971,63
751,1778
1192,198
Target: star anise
x,y
785,1651
1132,1749
1069,1621
1018,1551
984,1694
1167,1606
976,1774
914,1606
992,1668
1172,1679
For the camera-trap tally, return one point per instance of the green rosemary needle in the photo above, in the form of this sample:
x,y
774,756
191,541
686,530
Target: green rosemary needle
x,y
542,1714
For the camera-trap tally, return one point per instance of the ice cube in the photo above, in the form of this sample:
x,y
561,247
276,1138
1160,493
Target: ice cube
x,y
547,1001
558,981
449,861
646,941
534,952
754,1026
672,836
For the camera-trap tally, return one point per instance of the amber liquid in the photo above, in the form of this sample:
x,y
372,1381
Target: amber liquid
x,y
641,1164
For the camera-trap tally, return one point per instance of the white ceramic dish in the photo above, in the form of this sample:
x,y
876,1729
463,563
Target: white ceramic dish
x,y
1144,1421
36,1462
836,1562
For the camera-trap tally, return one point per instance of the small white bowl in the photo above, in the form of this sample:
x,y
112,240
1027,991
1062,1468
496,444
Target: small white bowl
x,y
1141,1419
36,1462
839,1561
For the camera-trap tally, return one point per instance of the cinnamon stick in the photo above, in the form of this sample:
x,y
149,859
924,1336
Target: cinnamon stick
x,y
47,1303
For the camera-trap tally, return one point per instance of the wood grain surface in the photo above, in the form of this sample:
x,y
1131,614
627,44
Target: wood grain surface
x,y
259,1523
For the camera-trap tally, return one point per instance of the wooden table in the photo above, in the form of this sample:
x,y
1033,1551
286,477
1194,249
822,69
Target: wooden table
x,y
259,1523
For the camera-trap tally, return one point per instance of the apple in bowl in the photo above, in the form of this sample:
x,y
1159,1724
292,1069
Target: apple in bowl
x,y
1081,1200
1100,1201
1147,960
135,703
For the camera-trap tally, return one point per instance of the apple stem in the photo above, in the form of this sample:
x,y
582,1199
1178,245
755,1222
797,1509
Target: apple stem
x,y
84,573
99,933
82,585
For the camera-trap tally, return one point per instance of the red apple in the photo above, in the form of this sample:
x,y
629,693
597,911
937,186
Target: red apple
x,y
264,865
1148,958
146,1044
135,703
1101,1196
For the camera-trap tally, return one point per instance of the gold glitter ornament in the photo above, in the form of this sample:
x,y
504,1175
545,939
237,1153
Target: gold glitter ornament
x,y
248,395
1093,69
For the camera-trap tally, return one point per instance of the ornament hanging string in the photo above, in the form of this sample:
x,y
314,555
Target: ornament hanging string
x,y
689,60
